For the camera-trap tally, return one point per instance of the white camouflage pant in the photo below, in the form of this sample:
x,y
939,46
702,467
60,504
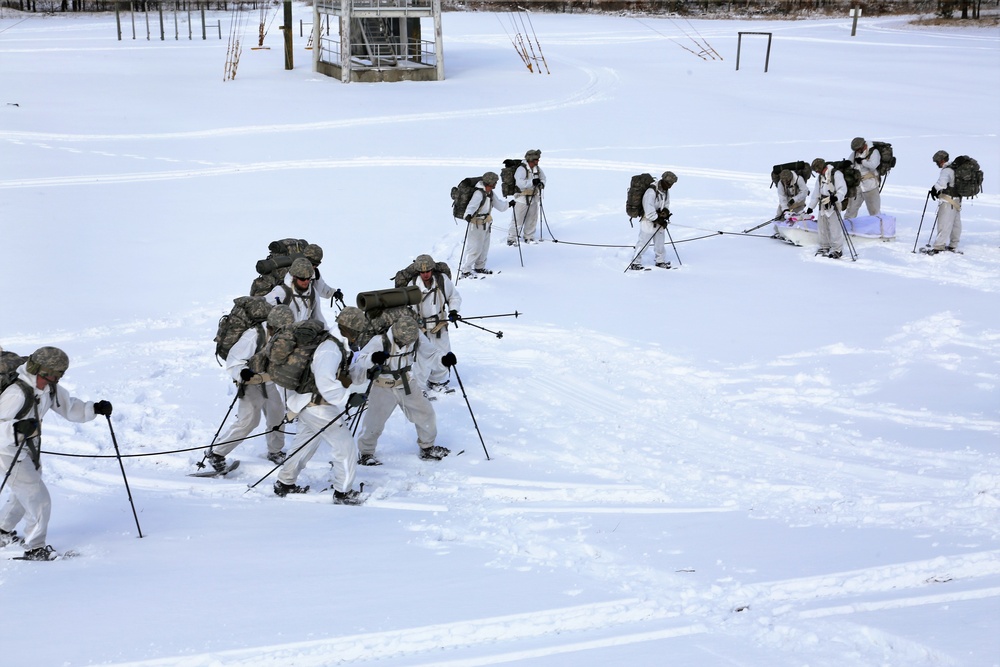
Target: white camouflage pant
x,y
343,451
872,200
248,411
29,498
477,246
949,222
381,404
642,245
525,219
831,234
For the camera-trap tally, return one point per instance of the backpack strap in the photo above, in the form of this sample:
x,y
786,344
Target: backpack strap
x,y
29,399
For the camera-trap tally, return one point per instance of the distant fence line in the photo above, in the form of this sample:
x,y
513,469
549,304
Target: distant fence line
x,y
694,8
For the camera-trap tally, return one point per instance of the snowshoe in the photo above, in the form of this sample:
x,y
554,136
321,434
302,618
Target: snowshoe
x,y
368,460
485,272
8,538
40,553
351,497
663,265
636,267
281,489
835,254
434,453
929,251
277,457
218,462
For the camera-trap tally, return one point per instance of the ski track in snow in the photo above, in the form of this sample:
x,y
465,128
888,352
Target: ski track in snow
x,y
899,486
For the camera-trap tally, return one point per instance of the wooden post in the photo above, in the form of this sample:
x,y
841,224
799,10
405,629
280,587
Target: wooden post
x,y
287,31
118,21
855,12
345,41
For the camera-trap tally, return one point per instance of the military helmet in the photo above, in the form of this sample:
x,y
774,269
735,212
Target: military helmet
x,y
424,263
313,253
302,268
818,165
668,178
490,178
786,176
405,332
352,318
533,154
940,156
48,361
857,143
279,317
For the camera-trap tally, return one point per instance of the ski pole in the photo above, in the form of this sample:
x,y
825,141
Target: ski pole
x,y
498,334
13,463
121,465
930,236
357,415
641,250
462,387
486,317
518,229
666,228
766,222
201,464
297,449
462,255
917,240
847,237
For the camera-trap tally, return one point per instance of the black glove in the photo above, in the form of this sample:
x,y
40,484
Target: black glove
x,y
102,408
379,357
511,203
468,218
338,295
857,160
356,400
809,211
537,182
933,193
449,360
245,375
26,426
833,197
453,316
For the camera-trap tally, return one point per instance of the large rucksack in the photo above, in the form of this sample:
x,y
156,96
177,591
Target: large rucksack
x,y
886,159
852,177
273,269
461,195
247,312
968,177
636,189
800,167
290,353
405,276
507,183
9,363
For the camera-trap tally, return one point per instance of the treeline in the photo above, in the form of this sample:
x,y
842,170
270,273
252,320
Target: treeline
x,y
694,8
734,8
51,6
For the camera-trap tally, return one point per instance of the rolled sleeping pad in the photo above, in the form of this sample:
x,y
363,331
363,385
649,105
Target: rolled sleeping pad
x,y
389,298
266,266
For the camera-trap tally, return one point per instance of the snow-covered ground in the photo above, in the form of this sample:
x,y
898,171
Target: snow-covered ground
x,y
761,458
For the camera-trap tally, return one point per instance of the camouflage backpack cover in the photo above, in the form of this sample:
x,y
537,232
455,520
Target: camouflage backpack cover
x,y
968,177
636,189
9,363
799,167
886,159
508,184
461,195
852,177
247,312
272,270
290,353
